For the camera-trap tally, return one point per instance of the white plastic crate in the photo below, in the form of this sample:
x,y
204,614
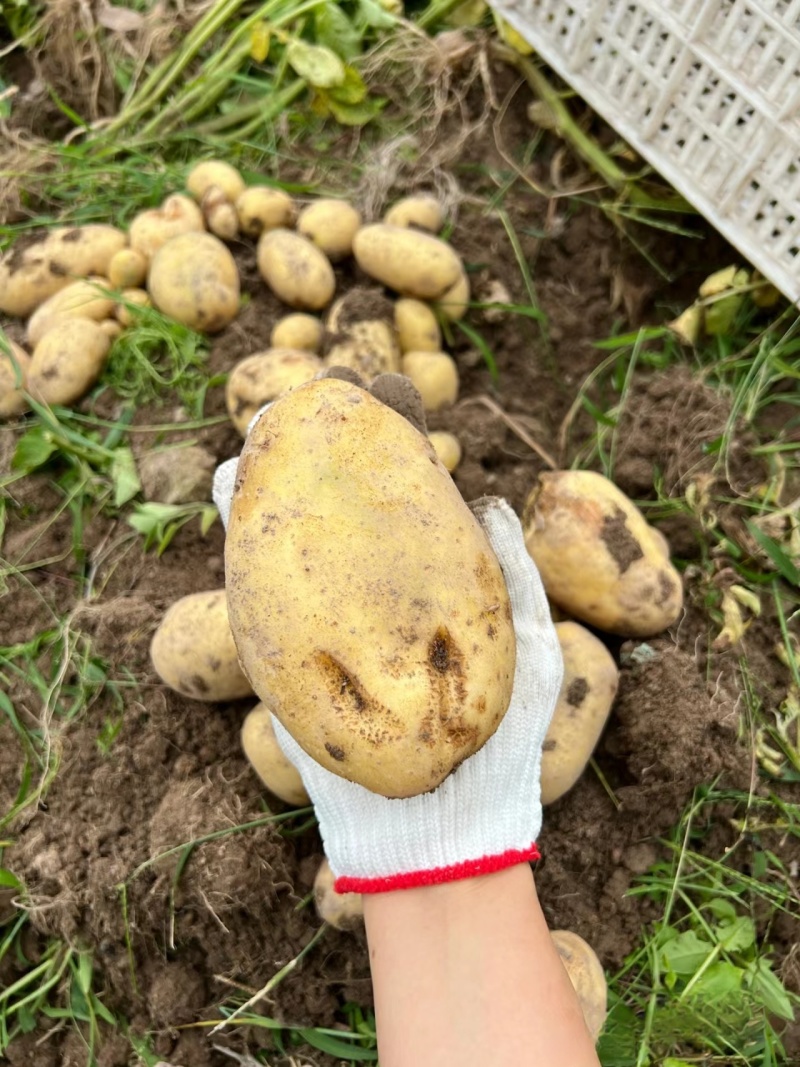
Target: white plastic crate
x,y
707,91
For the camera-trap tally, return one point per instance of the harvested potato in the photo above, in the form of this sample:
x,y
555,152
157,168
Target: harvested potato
x,y
435,375
447,447
453,305
112,328
127,269
193,279
214,172
262,377
295,270
331,225
14,367
79,300
598,558
297,331
412,263
260,208
266,758
193,652
360,334
424,212
416,325
67,361
151,229
586,974
380,632
345,911
584,704
126,313
29,277
220,214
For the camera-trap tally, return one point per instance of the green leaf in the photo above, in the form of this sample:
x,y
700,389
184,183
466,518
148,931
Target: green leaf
x,y
124,476
320,67
84,973
334,1046
482,347
376,16
722,908
785,566
9,880
738,935
355,114
33,450
720,980
352,91
685,953
625,340
208,516
334,29
769,989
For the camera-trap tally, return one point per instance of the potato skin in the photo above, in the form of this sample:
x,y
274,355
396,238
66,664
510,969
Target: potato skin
x,y
12,402
266,757
210,172
80,300
380,633
151,229
455,302
67,361
412,263
127,269
193,651
194,279
584,704
345,911
297,331
295,270
262,208
435,375
599,559
264,376
416,325
588,979
447,447
360,334
422,211
331,225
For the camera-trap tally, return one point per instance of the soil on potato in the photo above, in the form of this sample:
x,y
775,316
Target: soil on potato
x,y
198,924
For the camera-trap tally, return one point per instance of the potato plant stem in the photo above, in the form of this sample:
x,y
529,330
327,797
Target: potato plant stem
x,y
253,114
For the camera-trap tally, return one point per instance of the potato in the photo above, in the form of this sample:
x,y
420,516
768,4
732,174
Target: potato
x,y
297,331
67,361
584,704
422,211
435,375
214,172
368,607
13,379
193,652
455,302
447,447
586,974
127,269
416,325
266,758
295,270
264,376
193,279
220,214
331,225
414,264
127,315
260,208
345,911
79,300
111,328
360,334
28,277
151,229
598,558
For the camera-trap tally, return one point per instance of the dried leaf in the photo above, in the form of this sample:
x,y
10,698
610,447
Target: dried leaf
x,y
119,19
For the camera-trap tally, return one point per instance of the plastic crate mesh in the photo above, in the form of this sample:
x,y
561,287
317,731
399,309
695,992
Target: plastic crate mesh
x,y
707,91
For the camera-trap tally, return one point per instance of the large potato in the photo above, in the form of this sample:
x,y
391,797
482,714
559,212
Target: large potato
x,y
599,559
193,279
28,277
67,361
265,755
295,270
14,368
368,607
588,979
80,300
151,229
193,652
331,225
360,334
584,704
262,377
414,264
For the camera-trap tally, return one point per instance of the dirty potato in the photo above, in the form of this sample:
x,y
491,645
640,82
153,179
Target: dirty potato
x,y
84,299
345,911
264,376
262,208
295,270
211,172
67,361
151,229
422,210
587,977
412,263
194,279
266,757
331,225
14,366
360,334
297,331
417,327
455,302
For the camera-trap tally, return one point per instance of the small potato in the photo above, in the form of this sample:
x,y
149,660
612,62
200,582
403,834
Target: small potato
x,y
220,214
331,225
214,172
416,325
112,328
455,302
264,376
126,314
262,208
447,447
586,974
67,361
150,230
266,757
584,704
424,212
598,558
435,375
345,911
127,269
193,651
79,300
14,367
360,334
297,331
193,279
412,263
295,270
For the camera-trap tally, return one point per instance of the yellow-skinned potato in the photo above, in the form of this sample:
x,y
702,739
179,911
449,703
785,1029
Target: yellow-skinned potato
x,y
264,376
297,331
412,263
447,447
151,229
455,302
588,979
193,651
112,328
80,300
13,377
29,277
295,270
380,631
435,375
67,361
424,212
266,757
194,279
599,559
345,911
331,225
262,208
125,313
214,172
416,325
220,214
127,269
361,334
584,704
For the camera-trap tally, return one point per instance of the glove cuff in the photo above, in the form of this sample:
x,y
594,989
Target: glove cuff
x,y
438,875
